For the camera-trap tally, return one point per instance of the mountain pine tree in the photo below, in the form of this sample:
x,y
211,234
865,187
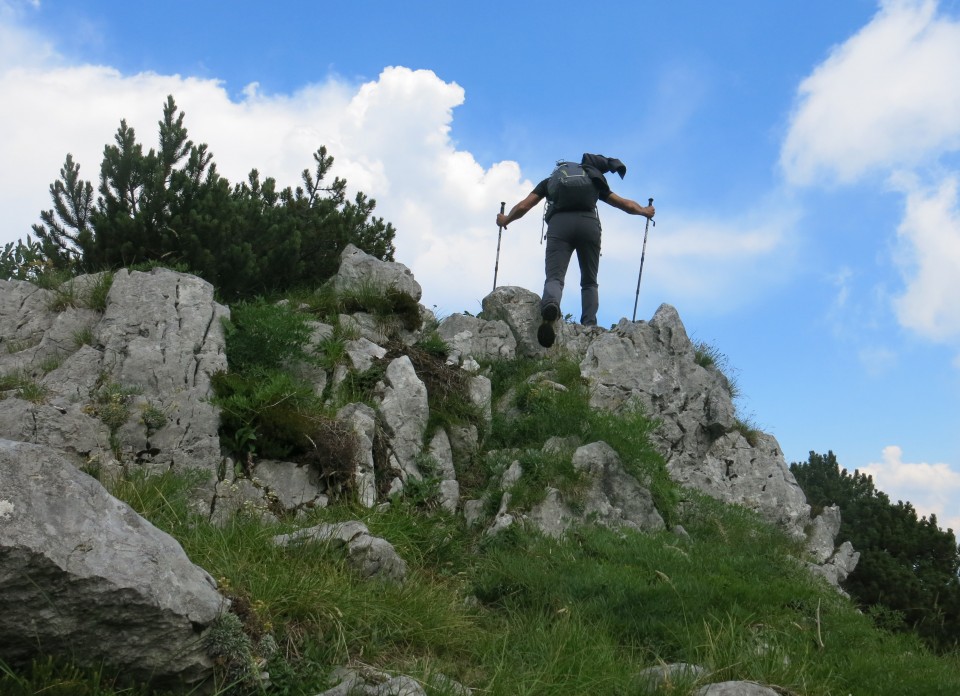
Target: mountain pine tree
x,y
171,206
908,569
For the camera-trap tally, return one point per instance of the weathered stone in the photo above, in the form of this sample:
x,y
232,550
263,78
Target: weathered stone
x,y
290,485
82,574
756,477
823,531
371,557
442,454
162,333
359,271
614,498
404,412
472,337
66,428
237,495
362,352
520,310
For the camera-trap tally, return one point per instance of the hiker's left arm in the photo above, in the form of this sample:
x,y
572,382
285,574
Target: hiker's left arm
x,y
519,210
629,206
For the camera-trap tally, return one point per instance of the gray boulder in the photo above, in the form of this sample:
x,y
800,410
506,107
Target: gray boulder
x,y
653,366
519,309
472,337
360,271
613,498
82,575
133,380
404,411
362,422
372,557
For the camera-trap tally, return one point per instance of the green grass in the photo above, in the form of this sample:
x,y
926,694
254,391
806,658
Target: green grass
x,y
522,614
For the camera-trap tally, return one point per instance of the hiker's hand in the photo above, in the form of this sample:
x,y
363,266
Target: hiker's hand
x,y
648,211
502,220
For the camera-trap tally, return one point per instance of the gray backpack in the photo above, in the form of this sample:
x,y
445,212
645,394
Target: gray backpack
x,y
569,188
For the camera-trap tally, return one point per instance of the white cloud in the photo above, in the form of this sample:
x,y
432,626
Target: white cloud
x,y
932,489
887,97
929,259
391,138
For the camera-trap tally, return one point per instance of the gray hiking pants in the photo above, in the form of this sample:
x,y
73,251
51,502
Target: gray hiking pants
x,y
568,232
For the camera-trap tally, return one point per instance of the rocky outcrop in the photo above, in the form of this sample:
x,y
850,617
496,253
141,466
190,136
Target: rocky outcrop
x,y
131,382
613,498
129,386
83,575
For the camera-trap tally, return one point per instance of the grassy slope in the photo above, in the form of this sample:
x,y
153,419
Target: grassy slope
x,y
520,614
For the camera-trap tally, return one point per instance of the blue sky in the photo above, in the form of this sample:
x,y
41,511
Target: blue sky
x,y
803,158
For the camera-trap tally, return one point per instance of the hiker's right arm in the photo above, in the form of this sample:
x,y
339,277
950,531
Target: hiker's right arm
x,y
519,210
629,206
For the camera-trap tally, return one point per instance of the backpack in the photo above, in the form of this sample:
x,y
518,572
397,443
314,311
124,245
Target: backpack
x,y
569,188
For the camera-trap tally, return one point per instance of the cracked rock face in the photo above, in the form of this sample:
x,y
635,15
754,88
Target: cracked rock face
x,y
148,356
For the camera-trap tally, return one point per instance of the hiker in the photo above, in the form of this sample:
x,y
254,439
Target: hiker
x,y
573,225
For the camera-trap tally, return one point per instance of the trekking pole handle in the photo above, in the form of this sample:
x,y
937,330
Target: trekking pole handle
x,y
649,220
503,206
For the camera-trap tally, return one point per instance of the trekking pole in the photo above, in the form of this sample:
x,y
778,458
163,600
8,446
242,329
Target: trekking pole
x,y
642,254
496,266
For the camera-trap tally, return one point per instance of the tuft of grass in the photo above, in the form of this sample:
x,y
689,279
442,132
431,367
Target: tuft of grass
x,y
83,337
23,387
710,357
98,292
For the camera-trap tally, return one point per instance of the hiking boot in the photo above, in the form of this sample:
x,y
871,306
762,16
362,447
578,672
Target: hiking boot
x,y
546,334
550,312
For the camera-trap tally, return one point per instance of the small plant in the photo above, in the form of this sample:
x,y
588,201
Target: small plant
x,y
22,344
83,337
24,387
153,418
749,431
709,356
261,334
433,344
97,293
232,650
111,404
50,363
64,296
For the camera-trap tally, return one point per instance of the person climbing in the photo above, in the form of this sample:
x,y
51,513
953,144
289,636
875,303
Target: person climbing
x,y
573,224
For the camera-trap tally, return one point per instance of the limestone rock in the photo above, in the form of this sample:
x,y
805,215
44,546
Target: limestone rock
x,y
520,310
404,411
359,270
756,477
82,574
477,338
371,557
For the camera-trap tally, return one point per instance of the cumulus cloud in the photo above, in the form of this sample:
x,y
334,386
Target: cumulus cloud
x,y
887,97
391,138
929,258
931,488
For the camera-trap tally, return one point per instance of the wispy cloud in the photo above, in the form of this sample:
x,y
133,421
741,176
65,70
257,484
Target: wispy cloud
x,y
887,103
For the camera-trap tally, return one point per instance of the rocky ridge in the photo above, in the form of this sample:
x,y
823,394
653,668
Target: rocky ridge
x,y
128,387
